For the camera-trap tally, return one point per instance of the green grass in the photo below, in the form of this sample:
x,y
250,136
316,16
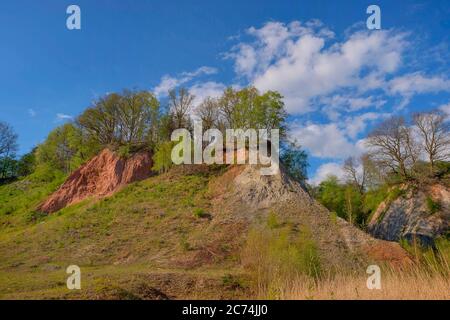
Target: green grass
x,y
280,254
148,223
19,200
432,205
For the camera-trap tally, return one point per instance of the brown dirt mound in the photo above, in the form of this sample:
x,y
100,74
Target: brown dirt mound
x,y
100,177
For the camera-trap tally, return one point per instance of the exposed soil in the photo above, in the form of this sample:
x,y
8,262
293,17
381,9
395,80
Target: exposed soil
x,y
103,175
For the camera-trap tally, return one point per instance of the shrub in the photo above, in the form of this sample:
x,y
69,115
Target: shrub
x,y
162,159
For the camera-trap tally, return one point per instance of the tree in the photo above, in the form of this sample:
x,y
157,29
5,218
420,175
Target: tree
x,y
434,133
66,148
8,148
295,160
247,108
331,194
130,118
101,121
358,171
209,113
180,106
391,146
162,159
27,163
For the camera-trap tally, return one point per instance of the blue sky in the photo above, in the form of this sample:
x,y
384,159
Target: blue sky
x,y
338,78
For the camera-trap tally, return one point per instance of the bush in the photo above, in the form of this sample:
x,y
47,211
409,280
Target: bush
x,y
162,159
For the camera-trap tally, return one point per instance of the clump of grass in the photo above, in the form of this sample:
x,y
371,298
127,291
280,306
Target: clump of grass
x,y
433,206
200,213
434,259
395,193
333,217
232,281
272,220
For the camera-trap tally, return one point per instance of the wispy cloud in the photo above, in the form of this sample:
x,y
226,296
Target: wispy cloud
x,y
63,117
32,113
170,82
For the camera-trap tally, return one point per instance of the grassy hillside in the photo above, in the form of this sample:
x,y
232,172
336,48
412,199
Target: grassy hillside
x,y
183,234
147,226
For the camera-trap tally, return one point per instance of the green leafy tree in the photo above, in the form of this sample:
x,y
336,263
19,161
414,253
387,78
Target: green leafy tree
x,y
162,160
295,160
130,118
27,163
66,148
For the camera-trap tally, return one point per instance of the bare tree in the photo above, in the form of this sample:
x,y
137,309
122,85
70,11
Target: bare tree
x,y
8,139
391,145
434,132
180,105
208,112
356,171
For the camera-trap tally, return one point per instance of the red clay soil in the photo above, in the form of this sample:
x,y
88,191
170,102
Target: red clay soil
x,y
100,177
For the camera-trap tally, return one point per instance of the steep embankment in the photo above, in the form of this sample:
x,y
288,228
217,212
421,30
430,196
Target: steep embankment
x,y
101,176
417,212
183,234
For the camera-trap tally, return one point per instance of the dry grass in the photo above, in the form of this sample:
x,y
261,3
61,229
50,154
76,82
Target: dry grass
x,y
394,286
275,258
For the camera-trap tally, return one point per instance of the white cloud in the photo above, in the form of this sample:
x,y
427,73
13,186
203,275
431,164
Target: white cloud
x,y
326,170
354,125
169,82
32,113
334,106
415,83
446,109
63,117
297,61
206,89
324,140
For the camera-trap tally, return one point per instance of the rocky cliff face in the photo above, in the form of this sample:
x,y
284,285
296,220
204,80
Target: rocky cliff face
x,y
245,196
101,176
420,212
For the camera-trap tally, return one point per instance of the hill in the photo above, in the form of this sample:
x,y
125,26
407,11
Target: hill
x,y
195,232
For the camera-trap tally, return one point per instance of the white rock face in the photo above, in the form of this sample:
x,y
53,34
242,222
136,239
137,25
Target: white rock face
x,y
410,217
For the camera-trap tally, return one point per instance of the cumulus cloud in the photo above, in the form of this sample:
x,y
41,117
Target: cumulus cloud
x,y
324,140
326,170
416,83
299,61
168,82
206,89
354,125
